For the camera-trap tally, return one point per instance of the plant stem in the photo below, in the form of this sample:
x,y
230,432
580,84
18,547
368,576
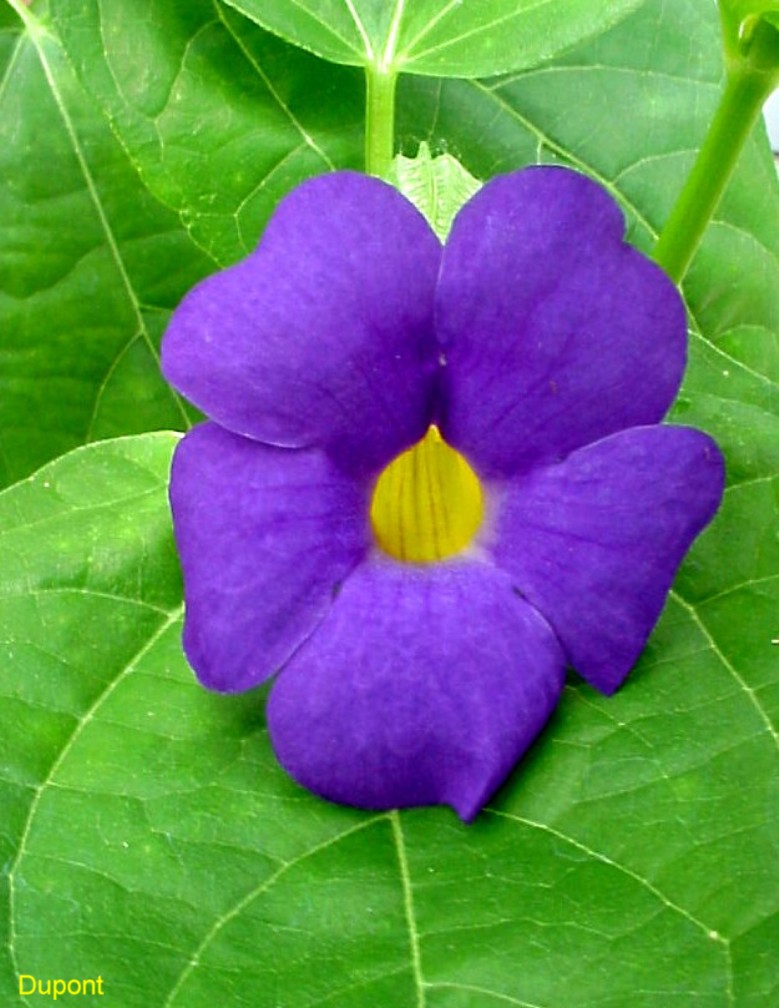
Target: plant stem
x,y
379,120
752,67
738,110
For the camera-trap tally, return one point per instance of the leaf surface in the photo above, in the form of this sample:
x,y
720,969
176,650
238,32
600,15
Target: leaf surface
x,y
90,266
95,254
150,824
454,38
229,118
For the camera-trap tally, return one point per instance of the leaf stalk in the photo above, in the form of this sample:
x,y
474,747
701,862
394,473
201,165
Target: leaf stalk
x,y
379,120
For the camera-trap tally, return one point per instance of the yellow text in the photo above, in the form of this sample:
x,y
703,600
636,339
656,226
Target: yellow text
x,y
28,985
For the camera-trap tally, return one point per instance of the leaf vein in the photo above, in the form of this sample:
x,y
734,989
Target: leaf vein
x,y
65,751
623,869
256,891
255,64
105,224
369,53
90,592
484,26
472,989
750,692
408,904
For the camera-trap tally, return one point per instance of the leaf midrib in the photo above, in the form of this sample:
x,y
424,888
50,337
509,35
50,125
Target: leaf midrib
x,y
35,36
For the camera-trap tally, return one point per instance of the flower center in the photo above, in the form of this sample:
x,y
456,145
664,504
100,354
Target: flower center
x,y
428,502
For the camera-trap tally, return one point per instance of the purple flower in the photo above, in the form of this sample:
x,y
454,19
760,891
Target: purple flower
x,y
421,613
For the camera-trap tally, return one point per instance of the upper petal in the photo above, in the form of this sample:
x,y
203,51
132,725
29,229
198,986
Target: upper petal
x,y
322,336
595,541
424,685
556,333
265,537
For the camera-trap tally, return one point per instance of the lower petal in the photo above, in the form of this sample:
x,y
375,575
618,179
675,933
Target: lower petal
x,y
424,685
265,537
594,542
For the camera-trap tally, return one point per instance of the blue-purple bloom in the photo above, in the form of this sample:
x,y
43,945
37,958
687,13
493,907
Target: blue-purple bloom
x,y
546,351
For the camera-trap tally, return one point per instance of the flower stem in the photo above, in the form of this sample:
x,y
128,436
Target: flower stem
x,y
747,87
379,120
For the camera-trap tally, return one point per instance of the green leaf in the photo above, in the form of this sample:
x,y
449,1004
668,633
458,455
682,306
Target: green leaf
x,y
229,119
8,19
152,840
94,255
454,38
90,266
89,580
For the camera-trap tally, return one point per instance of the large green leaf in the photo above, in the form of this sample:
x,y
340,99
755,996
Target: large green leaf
x,y
148,834
151,840
220,118
90,266
454,38
100,242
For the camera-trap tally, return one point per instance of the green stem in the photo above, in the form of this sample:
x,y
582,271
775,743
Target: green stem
x,y
379,121
752,67
738,111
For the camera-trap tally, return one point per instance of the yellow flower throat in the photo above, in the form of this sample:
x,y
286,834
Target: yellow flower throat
x,y
427,504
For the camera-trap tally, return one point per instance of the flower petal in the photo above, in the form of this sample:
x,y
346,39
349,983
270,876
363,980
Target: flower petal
x,y
265,537
323,336
555,332
594,542
424,685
